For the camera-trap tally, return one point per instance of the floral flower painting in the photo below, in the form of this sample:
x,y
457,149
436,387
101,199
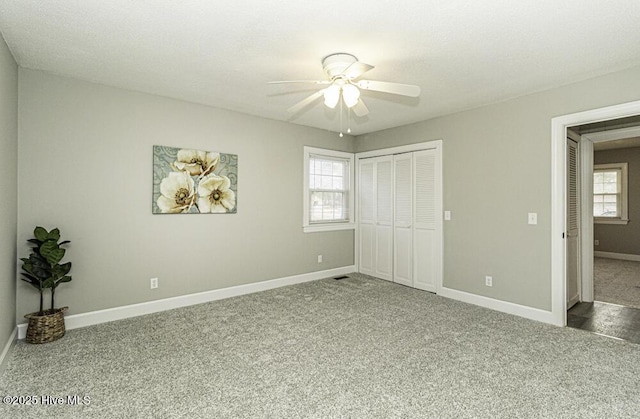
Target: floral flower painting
x,y
187,181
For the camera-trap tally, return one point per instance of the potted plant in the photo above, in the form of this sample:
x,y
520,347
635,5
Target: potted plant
x,y
43,270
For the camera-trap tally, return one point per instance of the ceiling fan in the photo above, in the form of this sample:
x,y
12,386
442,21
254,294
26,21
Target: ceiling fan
x,y
343,72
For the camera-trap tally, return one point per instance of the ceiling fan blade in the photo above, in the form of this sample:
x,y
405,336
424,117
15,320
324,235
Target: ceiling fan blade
x,y
360,109
306,101
356,70
300,81
386,87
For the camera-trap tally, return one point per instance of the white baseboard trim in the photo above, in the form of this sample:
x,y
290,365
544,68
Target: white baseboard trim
x,y
118,313
621,256
4,359
499,305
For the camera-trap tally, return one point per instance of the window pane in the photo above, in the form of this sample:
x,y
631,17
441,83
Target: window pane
x,y
610,210
326,182
338,169
598,188
597,177
610,177
610,188
330,176
605,206
327,206
315,212
339,213
312,166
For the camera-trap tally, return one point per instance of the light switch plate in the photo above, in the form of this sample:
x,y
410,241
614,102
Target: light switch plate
x,y
533,218
447,215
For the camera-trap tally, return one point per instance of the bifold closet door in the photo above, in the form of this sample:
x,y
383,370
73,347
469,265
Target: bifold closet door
x,y
400,227
427,224
376,217
367,215
384,219
403,219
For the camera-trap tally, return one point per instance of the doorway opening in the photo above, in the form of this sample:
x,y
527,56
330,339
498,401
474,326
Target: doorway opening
x,y
605,297
559,202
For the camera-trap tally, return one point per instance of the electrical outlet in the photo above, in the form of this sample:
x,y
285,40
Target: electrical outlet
x,y
319,258
597,242
488,281
153,283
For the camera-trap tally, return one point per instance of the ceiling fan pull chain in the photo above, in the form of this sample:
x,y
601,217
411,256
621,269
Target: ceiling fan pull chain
x,y
341,135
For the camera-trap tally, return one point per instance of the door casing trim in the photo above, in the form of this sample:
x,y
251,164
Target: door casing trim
x,y
559,127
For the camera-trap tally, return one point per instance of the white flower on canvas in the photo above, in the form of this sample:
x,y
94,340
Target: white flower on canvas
x,y
215,195
177,193
196,162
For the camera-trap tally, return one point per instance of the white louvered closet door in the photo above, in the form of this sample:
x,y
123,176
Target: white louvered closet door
x,y
403,225
384,219
367,216
400,223
427,222
573,211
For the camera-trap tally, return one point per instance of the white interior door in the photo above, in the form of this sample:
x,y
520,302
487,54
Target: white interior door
x,y
573,224
367,216
427,220
376,217
384,219
403,220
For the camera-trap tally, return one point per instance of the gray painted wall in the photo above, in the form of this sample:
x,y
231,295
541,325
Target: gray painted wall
x,y
8,186
497,168
86,167
622,238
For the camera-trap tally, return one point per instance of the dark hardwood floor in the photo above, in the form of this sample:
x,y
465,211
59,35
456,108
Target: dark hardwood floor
x,y
607,319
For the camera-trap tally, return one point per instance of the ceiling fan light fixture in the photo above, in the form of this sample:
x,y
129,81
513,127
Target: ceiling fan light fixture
x,y
350,94
331,96
344,84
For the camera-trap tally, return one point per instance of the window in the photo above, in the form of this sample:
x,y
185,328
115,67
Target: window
x,y
328,190
610,193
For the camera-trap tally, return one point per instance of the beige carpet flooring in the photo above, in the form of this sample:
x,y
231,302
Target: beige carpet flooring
x,y
617,281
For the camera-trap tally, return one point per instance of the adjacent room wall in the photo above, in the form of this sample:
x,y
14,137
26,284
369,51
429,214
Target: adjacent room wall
x,y
497,169
8,182
618,238
86,167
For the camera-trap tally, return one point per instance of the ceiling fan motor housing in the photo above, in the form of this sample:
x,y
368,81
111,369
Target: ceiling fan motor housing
x,y
335,64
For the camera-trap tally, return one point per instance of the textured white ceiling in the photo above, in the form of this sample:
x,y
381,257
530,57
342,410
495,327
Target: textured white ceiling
x,y
462,53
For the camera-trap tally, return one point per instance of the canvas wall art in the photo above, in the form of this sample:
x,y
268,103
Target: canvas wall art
x,y
187,181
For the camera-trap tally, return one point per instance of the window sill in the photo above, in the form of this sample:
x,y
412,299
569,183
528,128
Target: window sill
x,y
613,221
328,227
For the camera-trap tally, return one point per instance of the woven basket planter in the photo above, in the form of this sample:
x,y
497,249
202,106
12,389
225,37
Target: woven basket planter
x,y
46,328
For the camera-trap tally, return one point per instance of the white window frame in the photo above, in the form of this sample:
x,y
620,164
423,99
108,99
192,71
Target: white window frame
x,y
624,193
349,224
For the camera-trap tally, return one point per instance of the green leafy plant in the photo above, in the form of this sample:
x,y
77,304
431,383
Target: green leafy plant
x,y
42,269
